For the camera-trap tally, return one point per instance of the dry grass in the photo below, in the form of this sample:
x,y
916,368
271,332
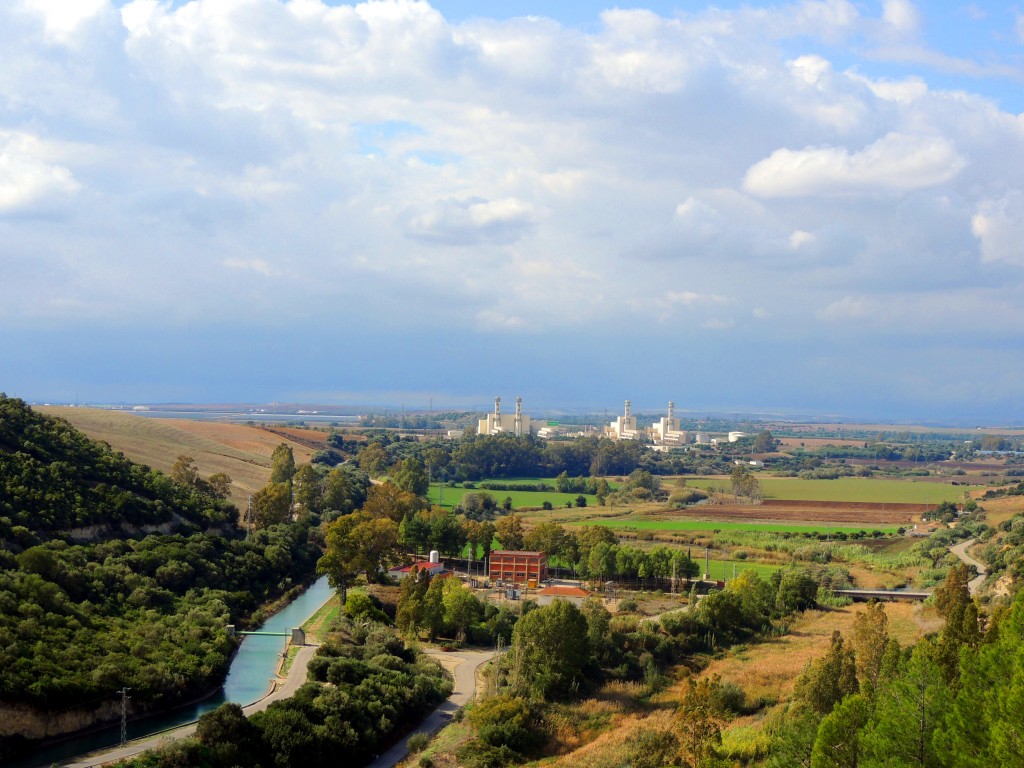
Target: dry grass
x,y
998,510
765,671
240,450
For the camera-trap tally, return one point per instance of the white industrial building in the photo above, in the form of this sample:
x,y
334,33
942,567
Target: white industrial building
x,y
498,423
666,432
624,427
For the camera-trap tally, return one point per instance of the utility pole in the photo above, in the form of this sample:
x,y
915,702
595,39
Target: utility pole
x,y
124,715
707,562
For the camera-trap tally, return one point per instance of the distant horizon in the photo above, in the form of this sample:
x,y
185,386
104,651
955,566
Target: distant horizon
x,y
540,412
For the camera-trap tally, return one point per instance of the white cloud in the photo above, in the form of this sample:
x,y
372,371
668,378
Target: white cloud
x,y
64,18
255,265
999,227
901,15
471,221
848,308
798,239
495,320
896,162
27,178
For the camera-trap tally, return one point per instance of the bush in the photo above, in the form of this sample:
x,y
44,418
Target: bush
x,y
418,742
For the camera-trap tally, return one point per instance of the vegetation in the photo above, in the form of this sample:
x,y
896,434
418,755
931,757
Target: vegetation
x,y
366,685
140,598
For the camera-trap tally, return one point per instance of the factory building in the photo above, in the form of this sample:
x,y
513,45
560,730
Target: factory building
x,y
666,432
498,423
518,567
624,427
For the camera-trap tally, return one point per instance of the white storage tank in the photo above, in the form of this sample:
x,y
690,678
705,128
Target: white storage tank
x,y
435,556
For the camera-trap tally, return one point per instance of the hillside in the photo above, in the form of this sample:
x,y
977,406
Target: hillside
x,y
112,575
239,450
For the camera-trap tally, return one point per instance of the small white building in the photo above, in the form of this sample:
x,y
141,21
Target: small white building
x,y
497,423
432,569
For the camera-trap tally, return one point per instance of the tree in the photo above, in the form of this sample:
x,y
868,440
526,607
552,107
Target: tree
x,y
953,600
220,485
797,590
341,561
307,487
229,736
870,640
185,471
547,537
838,744
387,500
344,490
409,614
908,710
374,460
272,504
699,719
461,607
827,680
410,475
550,645
764,442
509,530
356,543
282,464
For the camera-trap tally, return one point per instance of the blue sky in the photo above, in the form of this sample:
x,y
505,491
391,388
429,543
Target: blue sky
x,y
804,207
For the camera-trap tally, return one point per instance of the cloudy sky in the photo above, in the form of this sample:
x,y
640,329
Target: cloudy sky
x,y
809,207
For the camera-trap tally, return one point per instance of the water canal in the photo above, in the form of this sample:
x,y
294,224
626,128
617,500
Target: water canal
x,y
248,680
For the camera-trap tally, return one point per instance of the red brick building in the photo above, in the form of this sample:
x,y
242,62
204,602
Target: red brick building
x,y
518,567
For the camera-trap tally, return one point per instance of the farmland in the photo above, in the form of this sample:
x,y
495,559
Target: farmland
x,y
520,499
242,451
665,524
845,489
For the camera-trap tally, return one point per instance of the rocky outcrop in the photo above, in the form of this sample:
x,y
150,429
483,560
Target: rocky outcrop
x,y
32,723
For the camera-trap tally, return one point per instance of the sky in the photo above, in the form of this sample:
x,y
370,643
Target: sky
x,y
812,207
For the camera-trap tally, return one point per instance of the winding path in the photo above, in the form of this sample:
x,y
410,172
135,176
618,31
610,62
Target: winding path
x,y
465,687
960,550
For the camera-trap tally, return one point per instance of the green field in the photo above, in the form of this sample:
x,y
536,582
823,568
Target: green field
x,y
863,489
520,499
723,569
719,525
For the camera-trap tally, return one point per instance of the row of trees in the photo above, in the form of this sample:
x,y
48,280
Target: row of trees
x,y
475,457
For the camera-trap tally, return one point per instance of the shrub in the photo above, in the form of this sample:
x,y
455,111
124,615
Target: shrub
x,y
418,742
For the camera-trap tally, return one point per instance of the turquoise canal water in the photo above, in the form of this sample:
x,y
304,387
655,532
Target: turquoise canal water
x,y
248,680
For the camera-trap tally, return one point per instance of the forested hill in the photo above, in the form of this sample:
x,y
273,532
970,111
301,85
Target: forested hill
x,y
53,479
113,575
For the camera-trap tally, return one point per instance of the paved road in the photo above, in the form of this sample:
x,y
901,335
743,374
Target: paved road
x,y
465,687
960,550
297,675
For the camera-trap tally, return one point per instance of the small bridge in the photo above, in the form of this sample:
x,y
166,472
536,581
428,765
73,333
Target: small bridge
x,y
865,595
297,635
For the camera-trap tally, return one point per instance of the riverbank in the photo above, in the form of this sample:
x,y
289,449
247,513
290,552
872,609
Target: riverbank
x,y
251,678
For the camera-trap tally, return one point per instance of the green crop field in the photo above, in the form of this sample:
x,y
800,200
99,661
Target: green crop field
x,y
722,570
520,499
719,525
864,489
